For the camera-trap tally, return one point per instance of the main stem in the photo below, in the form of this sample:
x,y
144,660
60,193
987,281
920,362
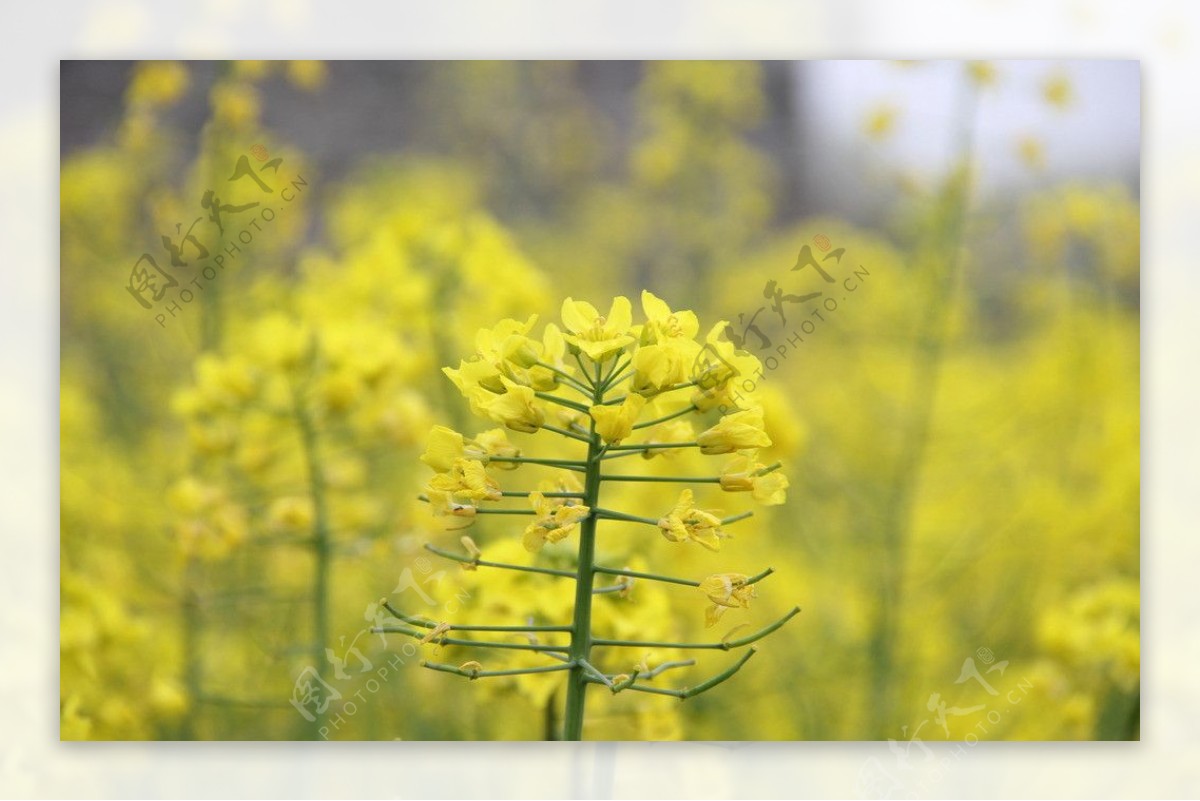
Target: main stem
x,y
581,625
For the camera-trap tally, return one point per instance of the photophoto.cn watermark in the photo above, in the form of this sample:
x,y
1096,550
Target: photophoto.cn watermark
x,y
329,696
913,772
776,328
188,262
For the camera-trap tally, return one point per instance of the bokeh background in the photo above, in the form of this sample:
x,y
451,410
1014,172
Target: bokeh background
x,y
961,434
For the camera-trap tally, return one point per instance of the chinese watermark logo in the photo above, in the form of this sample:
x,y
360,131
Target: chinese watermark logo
x,y
313,696
775,343
162,287
913,778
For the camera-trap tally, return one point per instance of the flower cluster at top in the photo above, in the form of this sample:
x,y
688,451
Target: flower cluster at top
x,y
625,389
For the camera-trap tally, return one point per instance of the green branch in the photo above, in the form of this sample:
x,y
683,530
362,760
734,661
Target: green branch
x,y
686,693
565,464
667,479
568,378
442,640
570,404
710,646
612,571
653,446
467,560
691,407
429,624
487,674
564,432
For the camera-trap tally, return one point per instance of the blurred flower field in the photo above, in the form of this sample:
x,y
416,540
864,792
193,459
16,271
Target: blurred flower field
x,y
251,406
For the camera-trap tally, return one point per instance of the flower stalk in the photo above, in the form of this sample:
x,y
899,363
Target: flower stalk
x,y
622,370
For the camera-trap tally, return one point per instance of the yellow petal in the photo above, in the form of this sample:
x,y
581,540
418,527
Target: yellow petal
x,y
578,315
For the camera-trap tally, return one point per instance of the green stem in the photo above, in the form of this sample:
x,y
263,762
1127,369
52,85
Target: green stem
x,y
564,432
594,672
663,391
565,464
420,635
429,624
583,371
653,446
691,407
581,634
609,514
667,479
618,366
616,382
709,646
484,674
481,511
546,396
466,560
568,379
665,666
623,454
685,693
612,571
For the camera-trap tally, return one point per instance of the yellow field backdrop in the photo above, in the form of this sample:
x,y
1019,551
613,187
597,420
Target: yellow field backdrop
x,y
240,478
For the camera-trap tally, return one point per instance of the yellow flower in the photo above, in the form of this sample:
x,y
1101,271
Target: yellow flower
x,y
508,342
715,367
466,478
672,431
565,482
615,423
516,408
735,432
743,474
224,383
660,367
280,342
551,353
599,337
189,496
252,69
306,74
339,390
158,83
686,522
726,591
474,374
291,514
556,519
663,324
167,698
450,504
235,104
443,447
446,445
494,442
